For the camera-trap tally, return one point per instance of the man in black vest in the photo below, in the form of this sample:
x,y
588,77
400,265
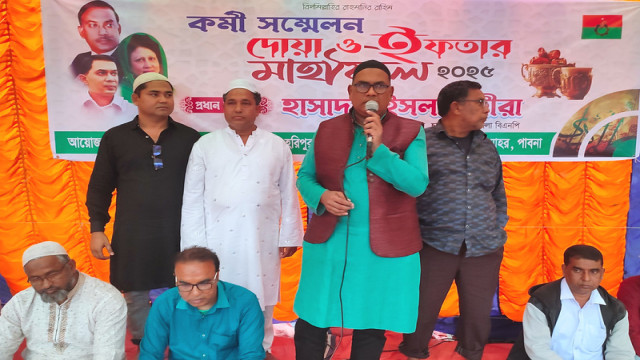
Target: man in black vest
x,y
574,318
360,264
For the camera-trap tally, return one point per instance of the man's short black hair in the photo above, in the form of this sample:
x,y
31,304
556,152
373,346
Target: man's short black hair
x,y
454,91
582,252
141,87
84,66
96,4
371,64
256,96
198,253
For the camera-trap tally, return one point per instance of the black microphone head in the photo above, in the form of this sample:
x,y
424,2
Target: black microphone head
x,y
371,105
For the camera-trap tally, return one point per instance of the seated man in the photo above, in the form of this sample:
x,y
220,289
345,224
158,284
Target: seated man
x,y
574,318
629,294
65,314
202,317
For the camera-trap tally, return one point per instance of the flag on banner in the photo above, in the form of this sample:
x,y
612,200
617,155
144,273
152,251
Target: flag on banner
x,y
602,26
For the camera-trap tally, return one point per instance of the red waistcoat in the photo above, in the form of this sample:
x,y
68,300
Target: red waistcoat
x,y
393,220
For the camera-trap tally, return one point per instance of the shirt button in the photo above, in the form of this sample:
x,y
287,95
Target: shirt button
x,y
468,174
468,190
469,207
467,226
203,335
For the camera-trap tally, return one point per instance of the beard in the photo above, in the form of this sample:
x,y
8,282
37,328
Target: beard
x,y
61,294
57,297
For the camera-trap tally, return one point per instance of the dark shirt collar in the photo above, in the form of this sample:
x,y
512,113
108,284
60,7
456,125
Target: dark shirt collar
x,y
134,124
442,132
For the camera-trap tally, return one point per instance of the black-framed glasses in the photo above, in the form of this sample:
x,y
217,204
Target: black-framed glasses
x,y
202,286
482,102
156,152
363,87
50,276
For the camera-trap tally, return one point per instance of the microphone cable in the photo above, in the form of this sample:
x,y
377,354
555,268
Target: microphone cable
x,y
344,270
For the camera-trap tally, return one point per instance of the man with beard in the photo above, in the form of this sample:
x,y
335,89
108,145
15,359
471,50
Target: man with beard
x,y
65,314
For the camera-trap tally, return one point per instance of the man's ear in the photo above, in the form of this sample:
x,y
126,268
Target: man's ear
x,y
81,32
83,78
134,99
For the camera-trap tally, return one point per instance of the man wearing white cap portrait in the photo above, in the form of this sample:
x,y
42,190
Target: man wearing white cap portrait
x,y
145,161
240,200
65,314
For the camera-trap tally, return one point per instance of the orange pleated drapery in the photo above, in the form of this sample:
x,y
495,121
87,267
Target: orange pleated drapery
x,y
551,205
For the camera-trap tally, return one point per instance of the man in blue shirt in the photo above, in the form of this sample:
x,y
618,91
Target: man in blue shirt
x,y
574,318
202,317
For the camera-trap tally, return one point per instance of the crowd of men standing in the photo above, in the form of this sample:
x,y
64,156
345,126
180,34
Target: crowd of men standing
x,y
399,213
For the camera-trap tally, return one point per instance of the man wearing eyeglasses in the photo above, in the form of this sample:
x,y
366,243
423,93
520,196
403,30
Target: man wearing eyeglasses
x,y
462,218
203,317
240,199
65,314
360,264
145,161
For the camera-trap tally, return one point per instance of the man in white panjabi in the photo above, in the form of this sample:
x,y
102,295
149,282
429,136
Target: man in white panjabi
x,y
240,200
65,314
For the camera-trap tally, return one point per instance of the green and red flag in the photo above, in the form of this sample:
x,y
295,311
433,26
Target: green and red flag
x,y
602,26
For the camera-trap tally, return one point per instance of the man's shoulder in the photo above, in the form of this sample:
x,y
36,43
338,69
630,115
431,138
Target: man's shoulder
x,y
22,296
102,293
121,128
344,119
185,129
611,302
239,296
545,294
100,286
405,121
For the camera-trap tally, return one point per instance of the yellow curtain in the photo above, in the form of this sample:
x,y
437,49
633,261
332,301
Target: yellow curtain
x,y
551,205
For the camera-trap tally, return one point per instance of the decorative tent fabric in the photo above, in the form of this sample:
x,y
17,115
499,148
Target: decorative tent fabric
x,y
551,205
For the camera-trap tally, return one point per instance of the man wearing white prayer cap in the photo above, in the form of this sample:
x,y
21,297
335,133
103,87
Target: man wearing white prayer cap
x,y
65,314
145,161
240,200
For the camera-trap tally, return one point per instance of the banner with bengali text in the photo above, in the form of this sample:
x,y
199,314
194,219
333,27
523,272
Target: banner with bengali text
x,y
560,78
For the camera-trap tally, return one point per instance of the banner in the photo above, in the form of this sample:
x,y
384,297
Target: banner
x,y
561,78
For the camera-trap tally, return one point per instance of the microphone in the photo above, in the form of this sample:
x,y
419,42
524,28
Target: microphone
x,y
371,105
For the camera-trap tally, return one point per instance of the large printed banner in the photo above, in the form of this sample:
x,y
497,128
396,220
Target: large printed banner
x,y
561,78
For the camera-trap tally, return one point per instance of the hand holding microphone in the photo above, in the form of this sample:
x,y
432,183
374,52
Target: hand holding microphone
x,y
371,124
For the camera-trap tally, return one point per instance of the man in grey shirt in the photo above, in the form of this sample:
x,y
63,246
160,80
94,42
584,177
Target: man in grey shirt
x,y
462,217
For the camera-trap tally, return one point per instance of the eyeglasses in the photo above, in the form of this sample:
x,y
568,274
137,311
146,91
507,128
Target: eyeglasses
x,y
157,160
203,286
482,102
50,276
363,87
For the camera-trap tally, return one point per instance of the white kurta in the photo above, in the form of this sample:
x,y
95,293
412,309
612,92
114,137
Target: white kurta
x,y
240,201
90,324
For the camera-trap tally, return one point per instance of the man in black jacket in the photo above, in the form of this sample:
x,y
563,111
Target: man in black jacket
x,y
574,317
